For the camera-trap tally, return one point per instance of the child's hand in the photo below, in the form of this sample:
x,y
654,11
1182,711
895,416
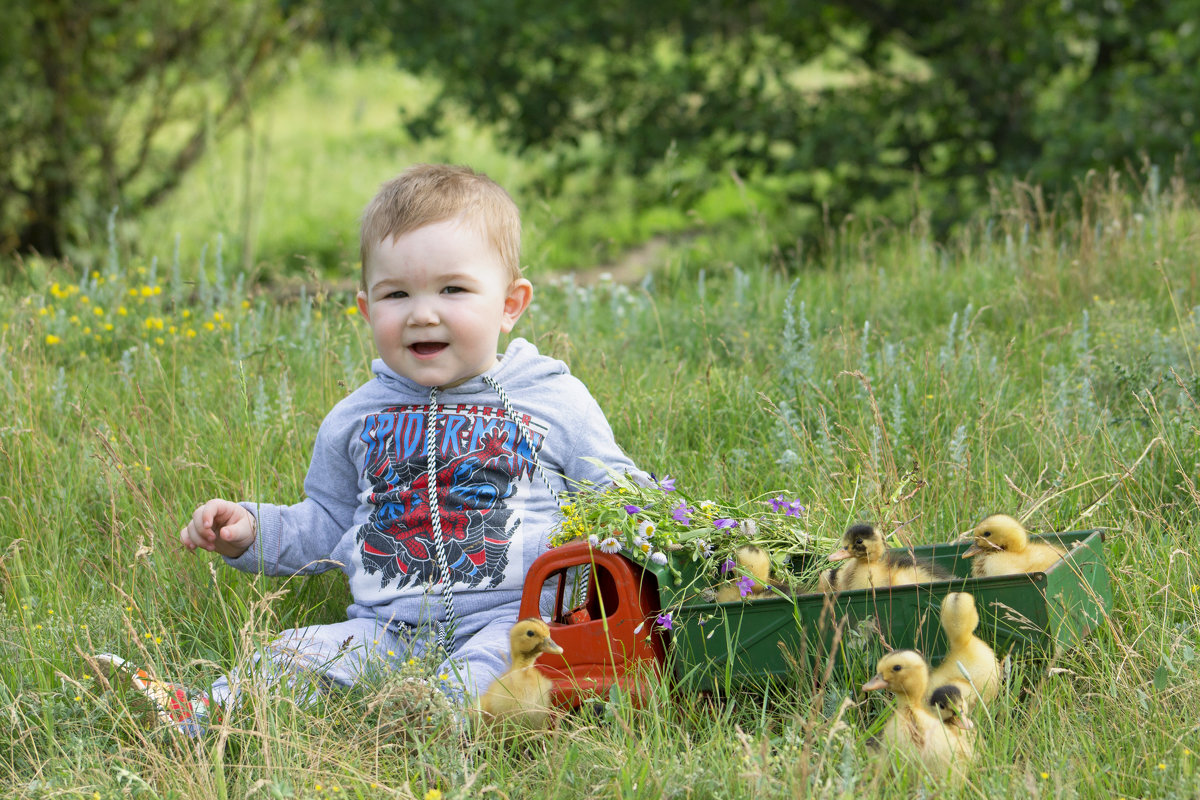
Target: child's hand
x,y
220,526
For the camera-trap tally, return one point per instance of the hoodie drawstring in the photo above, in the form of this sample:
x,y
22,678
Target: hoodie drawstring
x,y
445,631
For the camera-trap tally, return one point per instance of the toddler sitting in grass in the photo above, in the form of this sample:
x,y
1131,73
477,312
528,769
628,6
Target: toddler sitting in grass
x,y
432,486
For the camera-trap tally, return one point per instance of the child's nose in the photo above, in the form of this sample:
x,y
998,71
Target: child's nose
x,y
424,312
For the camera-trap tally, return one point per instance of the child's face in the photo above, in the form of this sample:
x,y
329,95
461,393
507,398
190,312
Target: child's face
x,y
437,300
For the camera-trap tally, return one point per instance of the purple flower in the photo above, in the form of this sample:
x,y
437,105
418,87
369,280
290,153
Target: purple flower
x,y
667,484
795,509
664,621
682,513
728,566
777,503
745,585
631,510
724,522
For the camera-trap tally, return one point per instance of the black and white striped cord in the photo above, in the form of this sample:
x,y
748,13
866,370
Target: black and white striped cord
x,y
445,631
524,430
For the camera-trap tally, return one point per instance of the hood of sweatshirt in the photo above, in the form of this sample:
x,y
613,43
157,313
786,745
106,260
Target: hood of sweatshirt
x,y
519,366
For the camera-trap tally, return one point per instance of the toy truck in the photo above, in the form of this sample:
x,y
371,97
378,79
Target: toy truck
x,y
618,620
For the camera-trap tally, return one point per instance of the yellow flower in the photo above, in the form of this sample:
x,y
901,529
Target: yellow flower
x,y
218,316
108,326
121,311
43,311
351,311
98,311
191,334
208,326
85,299
187,312
1045,776
73,319
52,339
433,794
245,304
158,340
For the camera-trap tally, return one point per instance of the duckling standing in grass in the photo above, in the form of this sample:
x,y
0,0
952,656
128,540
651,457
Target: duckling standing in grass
x,y
522,694
952,692
913,731
874,564
755,564
1002,547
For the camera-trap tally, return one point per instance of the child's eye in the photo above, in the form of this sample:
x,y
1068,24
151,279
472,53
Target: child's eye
x,y
396,295
453,290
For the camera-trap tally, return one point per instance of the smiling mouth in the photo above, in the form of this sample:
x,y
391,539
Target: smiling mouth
x,y
426,349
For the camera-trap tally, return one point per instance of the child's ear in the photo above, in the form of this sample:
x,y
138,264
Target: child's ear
x,y
362,305
520,293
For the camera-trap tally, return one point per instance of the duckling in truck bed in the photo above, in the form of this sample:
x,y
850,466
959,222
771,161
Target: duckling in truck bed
x,y
522,694
872,564
755,563
1002,547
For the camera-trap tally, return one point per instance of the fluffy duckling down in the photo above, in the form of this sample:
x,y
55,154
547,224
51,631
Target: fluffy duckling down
x,y
755,563
522,694
913,732
1001,546
953,692
869,563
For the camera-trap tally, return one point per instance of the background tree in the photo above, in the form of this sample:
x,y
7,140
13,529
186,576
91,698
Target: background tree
x,y
942,95
108,102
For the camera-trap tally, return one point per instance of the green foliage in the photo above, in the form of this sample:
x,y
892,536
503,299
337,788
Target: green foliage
x,y
880,107
108,103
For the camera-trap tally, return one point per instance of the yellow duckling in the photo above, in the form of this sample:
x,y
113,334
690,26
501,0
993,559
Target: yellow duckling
x,y
913,731
756,563
952,692
873,564
522,694
1002,547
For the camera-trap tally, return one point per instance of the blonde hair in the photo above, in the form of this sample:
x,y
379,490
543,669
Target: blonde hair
x,y
425,194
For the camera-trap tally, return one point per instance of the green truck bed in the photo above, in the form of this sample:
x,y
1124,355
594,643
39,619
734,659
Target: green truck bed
x,y
717,645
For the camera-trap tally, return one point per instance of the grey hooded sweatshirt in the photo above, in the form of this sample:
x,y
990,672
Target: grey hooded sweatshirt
x,y
366,509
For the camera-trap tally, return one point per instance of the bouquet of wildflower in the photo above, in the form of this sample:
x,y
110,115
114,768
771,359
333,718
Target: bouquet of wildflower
x,y
661,525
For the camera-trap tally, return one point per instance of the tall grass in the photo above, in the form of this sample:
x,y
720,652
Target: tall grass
x,y
1042,365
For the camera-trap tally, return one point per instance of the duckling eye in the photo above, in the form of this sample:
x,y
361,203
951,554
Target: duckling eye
x,y
896,668
987,534
858,541
529,633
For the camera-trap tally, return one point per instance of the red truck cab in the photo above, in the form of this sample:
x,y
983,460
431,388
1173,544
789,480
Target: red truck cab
x,y
602,610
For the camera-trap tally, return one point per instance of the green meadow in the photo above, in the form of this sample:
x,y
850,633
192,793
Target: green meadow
x,y
1041,363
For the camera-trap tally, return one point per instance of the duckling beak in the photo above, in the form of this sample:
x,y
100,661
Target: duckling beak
x,y
550,646
874,684
961,721
840,555
972,551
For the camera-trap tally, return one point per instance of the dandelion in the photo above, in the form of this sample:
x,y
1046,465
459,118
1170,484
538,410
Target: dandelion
x,y
1045,776
433,794
52,339
610,544
682,513
724,523
664,621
